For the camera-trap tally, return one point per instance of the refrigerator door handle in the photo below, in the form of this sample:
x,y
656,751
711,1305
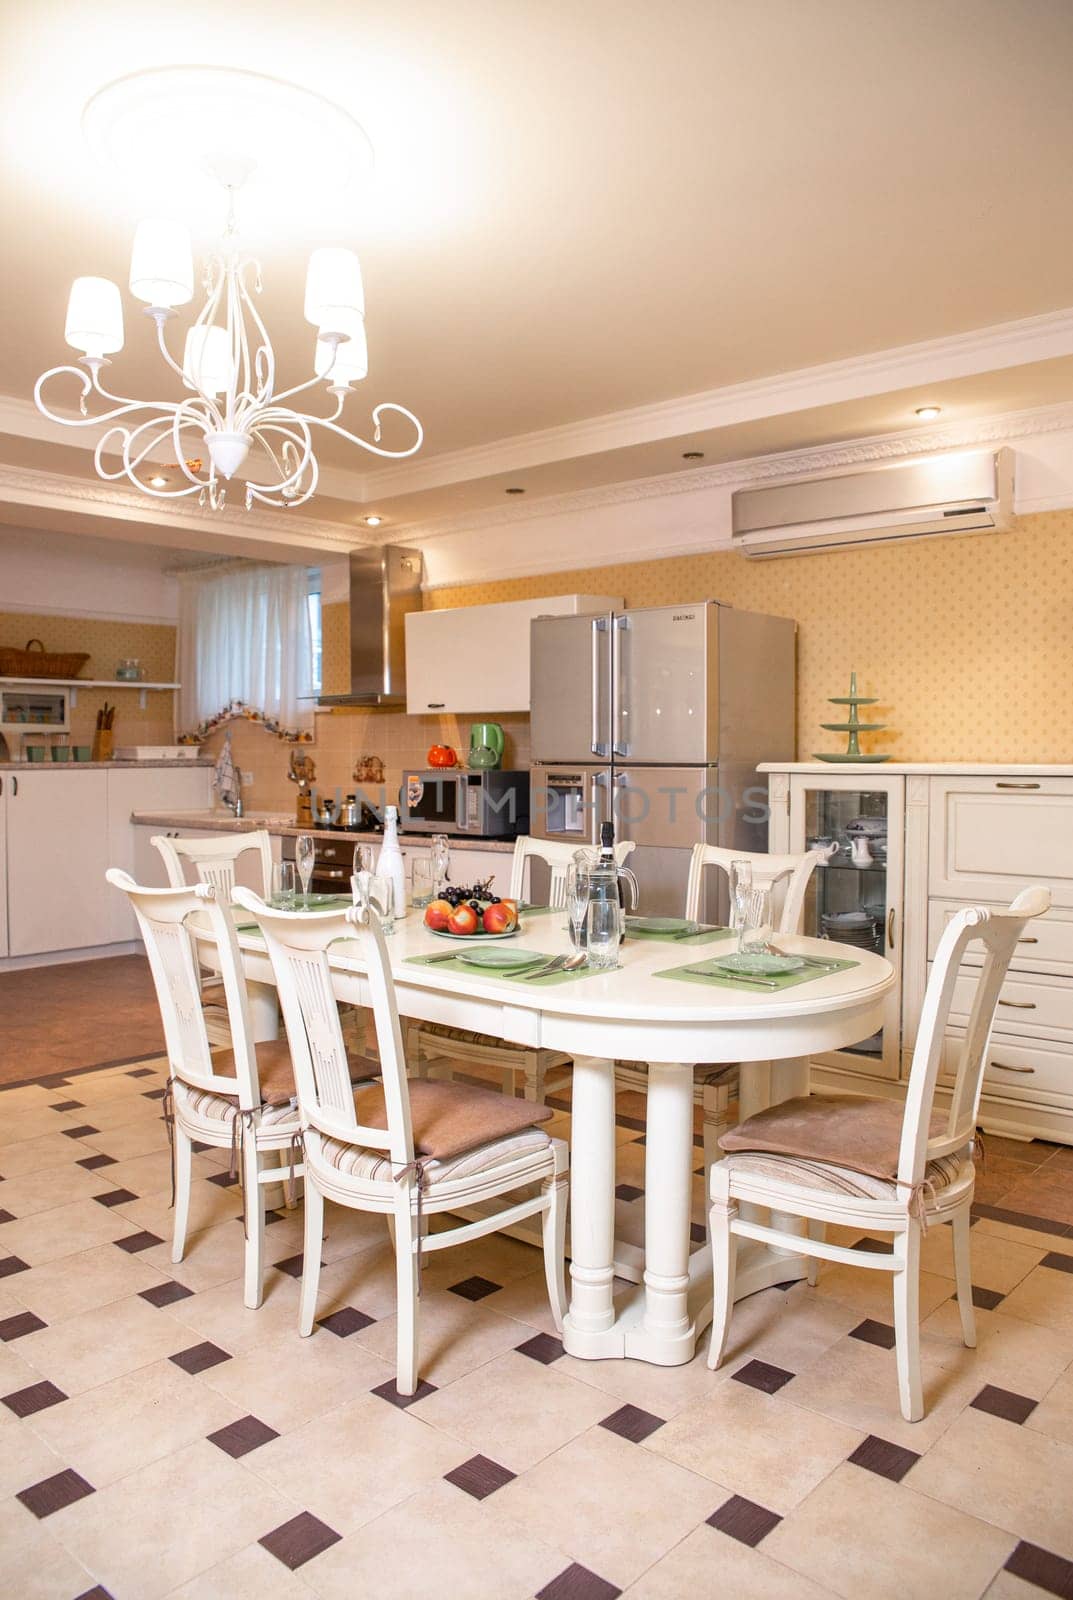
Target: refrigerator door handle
x,y
597,745
619,746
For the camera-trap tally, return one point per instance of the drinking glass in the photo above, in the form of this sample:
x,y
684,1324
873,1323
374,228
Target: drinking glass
x,y
440,856
284,885
364,858
423,887
376,892
754,934
304,854
604,928
577,903
741,883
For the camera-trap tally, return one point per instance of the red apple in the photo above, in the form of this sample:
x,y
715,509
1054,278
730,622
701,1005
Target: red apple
x,y
437,914
462,920
501,918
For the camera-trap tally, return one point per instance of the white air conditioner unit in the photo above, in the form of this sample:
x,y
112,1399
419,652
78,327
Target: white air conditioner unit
x,y
969,492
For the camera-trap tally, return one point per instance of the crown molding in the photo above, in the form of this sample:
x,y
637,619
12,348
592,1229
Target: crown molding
x,y
787,464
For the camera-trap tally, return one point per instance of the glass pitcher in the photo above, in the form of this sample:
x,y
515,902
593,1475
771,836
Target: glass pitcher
x,y
605,880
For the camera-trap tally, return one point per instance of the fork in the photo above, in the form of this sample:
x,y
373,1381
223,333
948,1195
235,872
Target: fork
x,y
543,972
430,961
733,977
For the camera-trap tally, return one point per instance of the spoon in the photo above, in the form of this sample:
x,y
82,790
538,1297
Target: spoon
x,y
572,963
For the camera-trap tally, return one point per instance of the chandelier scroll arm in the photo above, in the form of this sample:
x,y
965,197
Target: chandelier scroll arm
x,y
375,449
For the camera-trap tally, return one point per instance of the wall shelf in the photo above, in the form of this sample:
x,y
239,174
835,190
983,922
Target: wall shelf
x,y
74,684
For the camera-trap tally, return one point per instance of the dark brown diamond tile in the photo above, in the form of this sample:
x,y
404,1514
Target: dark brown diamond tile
x,y
18,1326
1053,1574
630,1422
298,1541
578,1583
292,1266
542,1347
761,1375
627,1191
388,1391
200,1357
475,1288
67,1105
91,1163
744,1520
24,1402
887,1460
479,1477
165,1294
698,1233
138,1241
240,1437
12,1264
198,1148
1057,1262
873,1247
346,1321
1004,1403
96,1593
223,1179
985,1299
7,1216
82,1132
153,1094
877,1333
52,1494
115,1197
1022,1219
140,1072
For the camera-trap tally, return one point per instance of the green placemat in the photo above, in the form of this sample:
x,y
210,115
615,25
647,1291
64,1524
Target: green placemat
x,y
721,980
705,933
316,902
466,971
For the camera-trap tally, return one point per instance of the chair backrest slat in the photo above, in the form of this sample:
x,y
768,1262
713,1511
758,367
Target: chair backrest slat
x,y
171,922
300,946
557,856
966,1056
214,860
788,876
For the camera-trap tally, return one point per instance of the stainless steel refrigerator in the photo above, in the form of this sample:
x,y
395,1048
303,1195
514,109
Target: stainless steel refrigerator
x,y
657,718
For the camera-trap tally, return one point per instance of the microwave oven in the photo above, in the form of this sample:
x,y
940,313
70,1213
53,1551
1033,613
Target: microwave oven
x,y
489,804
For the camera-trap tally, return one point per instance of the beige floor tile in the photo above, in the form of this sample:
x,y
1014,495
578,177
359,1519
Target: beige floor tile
x,y
145,1175
1046,1297
34,1192
440,1542
131,1536
26,1459
615,1507
497,1258
288,1383
856,1383
220,1314
1054,1414
73,1284
213,1256
364,1279
1006,1587
122,1425
252,1574
758,1445
515,1410
987,1227
96,1346
358,1460
789,1328
1012,1476
133,1139
123,1112
36,1566
15,1374
63,1231
1023,1356
871,1292
710,1566
526,1301
858,1534
997,1263
210,1205
456,1336
18,1126
35,1155
347,1230
665,1391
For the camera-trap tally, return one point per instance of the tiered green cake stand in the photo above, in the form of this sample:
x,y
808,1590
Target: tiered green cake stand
x,y
852,726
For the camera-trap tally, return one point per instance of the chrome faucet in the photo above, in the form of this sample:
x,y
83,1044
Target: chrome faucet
x,y
234,806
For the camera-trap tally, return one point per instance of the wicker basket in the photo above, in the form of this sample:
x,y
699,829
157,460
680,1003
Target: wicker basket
x,y
40,663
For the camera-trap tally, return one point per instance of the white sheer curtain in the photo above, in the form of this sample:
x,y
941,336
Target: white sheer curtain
x,y
244,635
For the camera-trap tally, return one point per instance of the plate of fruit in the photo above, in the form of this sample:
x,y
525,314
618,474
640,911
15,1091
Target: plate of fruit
x,y
474,913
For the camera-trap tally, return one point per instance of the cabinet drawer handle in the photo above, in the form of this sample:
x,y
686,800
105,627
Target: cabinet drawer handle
x,y
436,705
1019,1005
1029,938
1004,1066
890,929
1001,785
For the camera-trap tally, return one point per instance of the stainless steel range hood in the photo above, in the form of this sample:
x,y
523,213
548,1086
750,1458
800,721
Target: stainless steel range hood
x,y
385,584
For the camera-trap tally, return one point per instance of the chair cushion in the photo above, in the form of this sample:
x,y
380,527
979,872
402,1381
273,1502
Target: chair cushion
x,y
845,1130
275,1070
375,1166
212,1107
831,1179
450,1118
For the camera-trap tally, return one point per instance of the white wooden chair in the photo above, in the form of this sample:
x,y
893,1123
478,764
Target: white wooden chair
x,y
214,861
407,1150
244,1098
871,1164
434,1043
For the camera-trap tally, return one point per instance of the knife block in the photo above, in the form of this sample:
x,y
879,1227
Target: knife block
x,y
102,745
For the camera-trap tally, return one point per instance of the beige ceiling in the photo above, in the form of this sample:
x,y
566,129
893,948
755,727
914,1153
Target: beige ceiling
x,y
583,206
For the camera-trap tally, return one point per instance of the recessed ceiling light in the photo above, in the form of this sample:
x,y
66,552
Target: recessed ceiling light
x,y
514,491
158,482
373,522
692,455
928,413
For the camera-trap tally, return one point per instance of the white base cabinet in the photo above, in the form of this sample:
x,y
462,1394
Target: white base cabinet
x,y
956,836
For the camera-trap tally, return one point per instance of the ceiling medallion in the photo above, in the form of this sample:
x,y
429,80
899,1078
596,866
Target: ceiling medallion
x,y
233,405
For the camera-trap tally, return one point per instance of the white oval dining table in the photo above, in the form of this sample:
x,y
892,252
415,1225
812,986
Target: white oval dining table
x,y
631,1014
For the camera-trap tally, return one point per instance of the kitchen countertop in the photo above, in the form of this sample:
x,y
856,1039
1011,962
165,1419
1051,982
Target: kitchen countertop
x,y
284,824
937,769
97,766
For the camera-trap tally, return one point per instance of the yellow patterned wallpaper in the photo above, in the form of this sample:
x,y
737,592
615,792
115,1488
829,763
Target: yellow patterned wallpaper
x,y
108,643
967,641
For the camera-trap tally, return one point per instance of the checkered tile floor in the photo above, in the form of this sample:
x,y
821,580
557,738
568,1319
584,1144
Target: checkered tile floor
x,y
160,1440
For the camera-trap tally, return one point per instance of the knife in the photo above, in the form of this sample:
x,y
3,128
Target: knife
x,y
544,972
733,977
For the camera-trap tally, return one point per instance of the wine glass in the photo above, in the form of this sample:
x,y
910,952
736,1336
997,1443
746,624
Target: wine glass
x,y
577,902
304,854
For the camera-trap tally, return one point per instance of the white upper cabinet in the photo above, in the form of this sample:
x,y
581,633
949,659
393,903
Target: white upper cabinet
x,y
475,659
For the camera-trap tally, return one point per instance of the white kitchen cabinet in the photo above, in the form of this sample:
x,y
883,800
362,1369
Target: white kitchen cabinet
x,y
5,790
145,789
468,867
989,836
475,659
149,863
57,853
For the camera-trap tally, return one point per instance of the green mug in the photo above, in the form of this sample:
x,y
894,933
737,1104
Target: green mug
x,y
484,737
60,752
34,752
81,752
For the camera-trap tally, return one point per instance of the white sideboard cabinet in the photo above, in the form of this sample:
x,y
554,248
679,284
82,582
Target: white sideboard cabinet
x,y
938,838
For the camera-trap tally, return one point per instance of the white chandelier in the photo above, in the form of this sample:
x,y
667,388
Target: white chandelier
x,y
228,368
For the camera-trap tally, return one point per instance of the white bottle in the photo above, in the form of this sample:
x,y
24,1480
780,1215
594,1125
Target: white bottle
x,y
389,863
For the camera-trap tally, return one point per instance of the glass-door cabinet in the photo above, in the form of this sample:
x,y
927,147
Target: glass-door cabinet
x,y
856,899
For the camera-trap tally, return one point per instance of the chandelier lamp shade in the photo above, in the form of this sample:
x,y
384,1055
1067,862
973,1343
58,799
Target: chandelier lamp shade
x,y
229,409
